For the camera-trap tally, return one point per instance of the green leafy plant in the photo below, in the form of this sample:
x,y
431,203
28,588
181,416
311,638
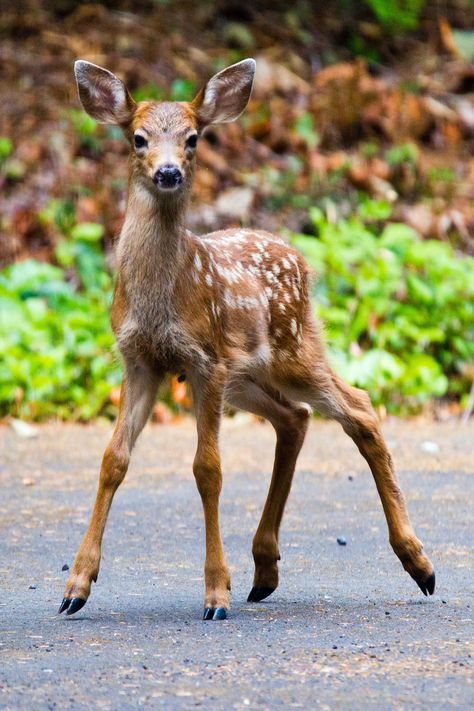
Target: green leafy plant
x,y
397,15
305,128
399,311
403,153
180,90
56,344
6,148
85,128
55,336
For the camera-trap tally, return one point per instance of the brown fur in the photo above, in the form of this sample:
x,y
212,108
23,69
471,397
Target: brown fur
x,y
231,310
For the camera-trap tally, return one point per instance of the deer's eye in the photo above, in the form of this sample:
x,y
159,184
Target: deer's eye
x,y
139,141
191,141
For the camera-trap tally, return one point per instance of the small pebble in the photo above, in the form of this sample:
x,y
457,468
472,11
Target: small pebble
x,y
387,612
65,567
342,541
350,477
32,587
430,447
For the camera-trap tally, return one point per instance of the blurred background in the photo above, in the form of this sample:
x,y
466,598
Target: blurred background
x,y
357,146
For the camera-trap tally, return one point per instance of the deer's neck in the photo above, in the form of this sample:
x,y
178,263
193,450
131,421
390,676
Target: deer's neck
x,y
152,243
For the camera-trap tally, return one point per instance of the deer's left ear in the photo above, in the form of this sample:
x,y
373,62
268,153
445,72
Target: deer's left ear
x,y
226,95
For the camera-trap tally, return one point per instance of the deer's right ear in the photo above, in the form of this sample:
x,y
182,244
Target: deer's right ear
x,y
103,95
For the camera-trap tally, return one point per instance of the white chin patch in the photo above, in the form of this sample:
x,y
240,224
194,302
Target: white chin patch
x,y
172,189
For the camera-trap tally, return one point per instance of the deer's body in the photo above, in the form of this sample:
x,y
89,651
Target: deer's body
x,y
240,296
231,311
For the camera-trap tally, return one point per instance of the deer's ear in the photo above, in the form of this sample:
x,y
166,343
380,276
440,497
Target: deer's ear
x,y
226,95
103,95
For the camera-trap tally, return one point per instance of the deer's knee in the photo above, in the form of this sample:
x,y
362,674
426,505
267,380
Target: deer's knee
x,y
292,429
207,472
114,465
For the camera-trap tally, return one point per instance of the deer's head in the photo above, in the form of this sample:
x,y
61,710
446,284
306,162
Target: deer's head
x,y
163,135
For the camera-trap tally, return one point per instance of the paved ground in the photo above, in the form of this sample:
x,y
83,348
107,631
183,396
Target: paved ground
x,y
347,629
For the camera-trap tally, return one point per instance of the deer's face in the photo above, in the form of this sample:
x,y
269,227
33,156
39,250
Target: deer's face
x,y
164,138
164,135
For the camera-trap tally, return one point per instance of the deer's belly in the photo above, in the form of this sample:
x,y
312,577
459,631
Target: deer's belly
x,y
166,343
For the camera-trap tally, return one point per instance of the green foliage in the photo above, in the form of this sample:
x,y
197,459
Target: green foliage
x,y
180,90
56,345
85,128
149,92
55,337
399,311
304,127
404,153
6,148
397,15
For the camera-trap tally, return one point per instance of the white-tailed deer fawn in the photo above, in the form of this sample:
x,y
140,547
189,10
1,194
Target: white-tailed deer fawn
x,y
231,311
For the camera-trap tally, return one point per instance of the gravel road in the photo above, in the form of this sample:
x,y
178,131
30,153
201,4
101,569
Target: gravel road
x,y
346,629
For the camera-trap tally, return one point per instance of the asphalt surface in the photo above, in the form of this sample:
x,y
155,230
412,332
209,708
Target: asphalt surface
x,y
346,629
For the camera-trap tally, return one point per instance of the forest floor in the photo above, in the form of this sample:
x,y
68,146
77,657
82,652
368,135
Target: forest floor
x,y
322,127
347,628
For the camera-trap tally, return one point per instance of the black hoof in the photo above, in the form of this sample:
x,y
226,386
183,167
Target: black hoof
x,y
76,604
220,613
422,587
64,605
431,583
217,613
428,587
260,592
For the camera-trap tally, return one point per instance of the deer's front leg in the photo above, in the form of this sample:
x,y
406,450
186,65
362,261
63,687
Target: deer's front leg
x,y
208,398
138,395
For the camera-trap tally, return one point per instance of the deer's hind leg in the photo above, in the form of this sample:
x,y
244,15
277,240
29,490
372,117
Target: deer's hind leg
x,y
351,407
290,422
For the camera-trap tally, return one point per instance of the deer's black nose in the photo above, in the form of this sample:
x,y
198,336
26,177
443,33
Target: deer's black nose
x,y
168,176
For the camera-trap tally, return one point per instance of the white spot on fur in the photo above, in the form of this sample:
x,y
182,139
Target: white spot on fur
x,y
294,327
282,307
276,268
286,263
208,279
263,353
197,262
228,298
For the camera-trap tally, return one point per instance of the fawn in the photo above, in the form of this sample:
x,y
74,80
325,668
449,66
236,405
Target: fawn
x,y
231,311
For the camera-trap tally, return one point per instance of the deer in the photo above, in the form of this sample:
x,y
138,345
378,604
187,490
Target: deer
x,y
231,312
